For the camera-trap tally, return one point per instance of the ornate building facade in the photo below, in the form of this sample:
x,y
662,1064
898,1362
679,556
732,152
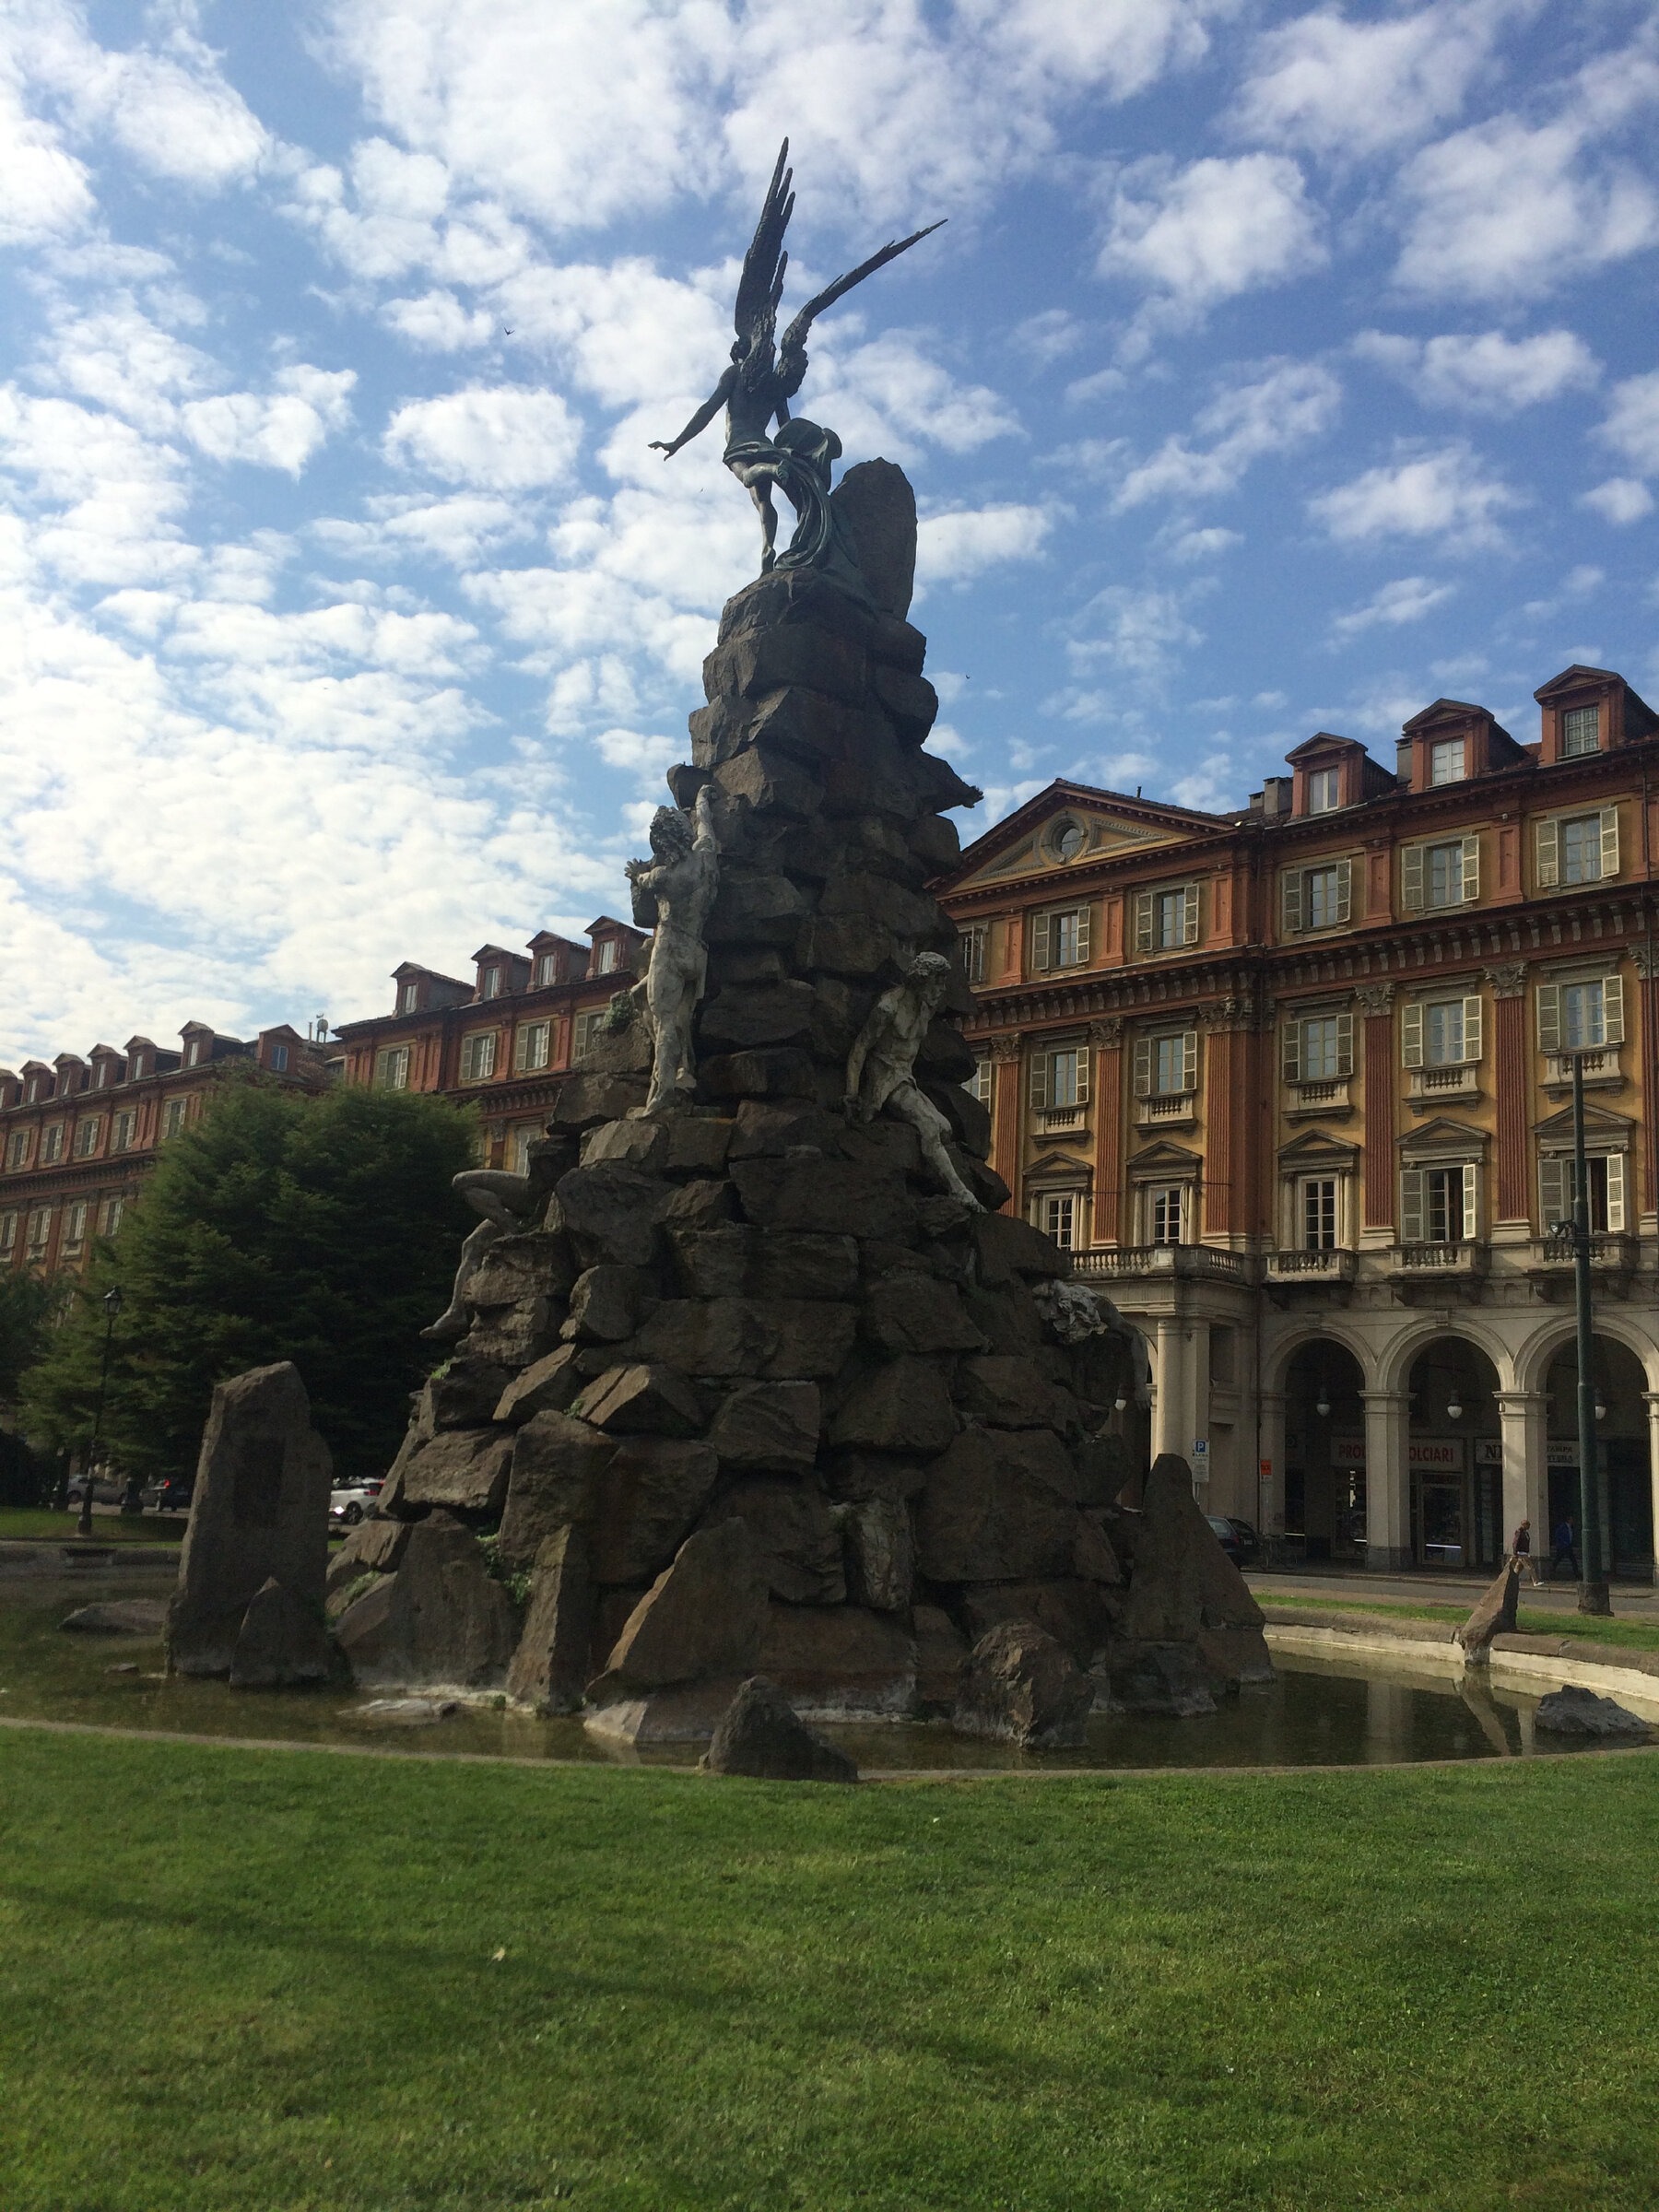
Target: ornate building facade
x,y
1293,1084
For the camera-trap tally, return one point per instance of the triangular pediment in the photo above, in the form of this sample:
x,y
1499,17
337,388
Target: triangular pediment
x,y
1314,1149
1164,1158
1056,1165
1443,1134
1599,1122
1072,825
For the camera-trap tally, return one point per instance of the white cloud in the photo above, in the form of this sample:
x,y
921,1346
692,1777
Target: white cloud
x,y
505,438
952,548
1631,426
1135,636
1192,237
1509,210
1203,544
1487,373
1446,493
1295,401
1620,500
1407,600
1047,337
647,759
45,191
437,322
275,430
1351,89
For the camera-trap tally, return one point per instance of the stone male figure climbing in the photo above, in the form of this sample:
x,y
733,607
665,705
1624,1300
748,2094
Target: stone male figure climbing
x,y
881,1066
674,894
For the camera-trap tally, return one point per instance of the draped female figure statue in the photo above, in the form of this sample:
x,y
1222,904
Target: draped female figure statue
x,y
764,376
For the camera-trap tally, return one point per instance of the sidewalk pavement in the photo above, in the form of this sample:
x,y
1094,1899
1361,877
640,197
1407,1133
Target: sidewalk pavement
x,y
1636,1601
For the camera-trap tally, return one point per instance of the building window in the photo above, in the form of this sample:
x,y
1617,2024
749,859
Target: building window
x,y
1060,1219
1061,940
1318,1213
51,1144
1164,920
392,1067
1605,1187
1446,761
1325,790
40,1232
1581,1017
1319,1048
479,1056
16,1149
85,1136
172,1116
518,1148
1166,1213
32,1096
582,1035
193,1053
1442,874
546,968
1067,839
1440,1033
102,1080
8,1235
605,956
1581,732
1581,848
971,941
1440,1205
75,1224
407,997
490,983
109,1215
533,1046
279,1056
978,1085
1166,1066
122,1126
136,1070
1060,1077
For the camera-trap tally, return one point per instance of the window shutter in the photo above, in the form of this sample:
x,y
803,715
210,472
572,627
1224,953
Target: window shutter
x,y
1615,1191
1084,1057
521,1050
1291,1059
1411,1205
1345,890
1471,1030
1142,920
1471,1205
1040,944
1189,1059
1613,1010
1552,1194
1471,869
1411,877
1143,1067
1610,841
1549,854
1549,1018
1411,1034
1083,917
1039,1079
1290,900
1345,1044
1189,920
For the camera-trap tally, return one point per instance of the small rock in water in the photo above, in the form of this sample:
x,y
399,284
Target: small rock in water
x,y
123,1617
122,1667
760,1735
403,1712
1572,1710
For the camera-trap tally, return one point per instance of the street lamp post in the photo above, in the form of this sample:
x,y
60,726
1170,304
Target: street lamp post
x,y
1593,1588
111,1306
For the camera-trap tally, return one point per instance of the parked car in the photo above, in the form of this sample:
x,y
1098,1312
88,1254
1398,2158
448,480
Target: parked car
x,y
349,1503
1237,1539
173,1494
104,1492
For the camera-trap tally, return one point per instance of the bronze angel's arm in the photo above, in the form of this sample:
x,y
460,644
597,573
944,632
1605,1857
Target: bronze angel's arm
x,y
701,420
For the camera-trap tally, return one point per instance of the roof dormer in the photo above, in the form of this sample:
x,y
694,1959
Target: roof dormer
x,y
140,1059
11,1089
554,959
72,1074
1330,772
1589,711
108,1066
196,1042
282,1051
616,945
1453,740
501,972
422,990
37,1082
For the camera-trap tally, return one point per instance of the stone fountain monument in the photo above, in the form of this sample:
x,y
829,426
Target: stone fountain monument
x,y
751,1374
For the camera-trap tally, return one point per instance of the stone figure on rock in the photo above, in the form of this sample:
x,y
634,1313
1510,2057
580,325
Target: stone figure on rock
x,y
510,1205
882,1065
763,377
674,895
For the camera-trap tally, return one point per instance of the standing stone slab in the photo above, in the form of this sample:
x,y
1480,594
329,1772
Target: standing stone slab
x,y
761,1734
259,1513
440,1621
702,1617
283,1641
1183,1585
550,1665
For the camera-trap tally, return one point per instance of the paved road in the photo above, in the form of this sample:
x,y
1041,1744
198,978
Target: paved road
x,y
1636,1601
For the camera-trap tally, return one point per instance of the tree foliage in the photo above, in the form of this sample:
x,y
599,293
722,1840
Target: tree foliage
x,y
320,1230
25,1305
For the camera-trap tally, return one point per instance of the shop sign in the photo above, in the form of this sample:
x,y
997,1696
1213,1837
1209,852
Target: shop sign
x,y
1437,1454
1562,1452
1347,1451
1488,1451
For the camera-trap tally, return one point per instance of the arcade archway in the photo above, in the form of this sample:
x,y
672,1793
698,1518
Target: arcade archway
x,y
1324,1452
1454,1457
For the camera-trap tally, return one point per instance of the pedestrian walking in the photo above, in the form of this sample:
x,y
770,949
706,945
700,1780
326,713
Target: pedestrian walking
x,y
1566,1549
1521,1550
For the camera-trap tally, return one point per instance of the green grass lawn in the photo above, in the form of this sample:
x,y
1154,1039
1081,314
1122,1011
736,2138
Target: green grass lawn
x,y
108,1526
234,1979
1531,1621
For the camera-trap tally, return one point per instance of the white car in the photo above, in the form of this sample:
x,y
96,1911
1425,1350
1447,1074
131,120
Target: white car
x,y
349,1503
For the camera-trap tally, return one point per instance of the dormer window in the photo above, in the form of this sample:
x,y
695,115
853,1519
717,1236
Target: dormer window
x,y
279,1056
407,997
546,968
103,1075
1325,790
1581,732
1448,761
193,1053
137,1068
605,956
491,985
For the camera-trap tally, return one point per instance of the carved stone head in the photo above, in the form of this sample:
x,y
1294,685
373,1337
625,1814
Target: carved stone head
x,y
930,973
671,834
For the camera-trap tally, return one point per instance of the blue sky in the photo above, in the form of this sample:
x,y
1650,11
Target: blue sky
x,y
1277,370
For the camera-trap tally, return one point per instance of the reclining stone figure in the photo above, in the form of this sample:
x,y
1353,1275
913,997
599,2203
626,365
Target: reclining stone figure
x,y
881,1066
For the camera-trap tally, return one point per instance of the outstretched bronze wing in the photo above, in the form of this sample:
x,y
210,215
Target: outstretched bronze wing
x,y
761,287
795,339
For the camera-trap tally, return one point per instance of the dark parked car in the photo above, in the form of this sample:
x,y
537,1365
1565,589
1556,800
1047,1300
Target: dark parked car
x,y
173,1495
104,1492
1237,1539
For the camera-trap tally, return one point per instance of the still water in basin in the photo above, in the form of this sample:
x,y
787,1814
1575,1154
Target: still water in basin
x,y
1319,1713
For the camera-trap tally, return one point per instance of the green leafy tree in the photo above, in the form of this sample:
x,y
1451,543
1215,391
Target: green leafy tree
x,y
25,1306
321,1231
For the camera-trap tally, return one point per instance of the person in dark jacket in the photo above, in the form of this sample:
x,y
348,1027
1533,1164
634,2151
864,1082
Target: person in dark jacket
x,y
1566,1549
1521,1550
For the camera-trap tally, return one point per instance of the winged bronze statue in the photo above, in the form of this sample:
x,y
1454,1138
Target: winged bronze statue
x,y
764,375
